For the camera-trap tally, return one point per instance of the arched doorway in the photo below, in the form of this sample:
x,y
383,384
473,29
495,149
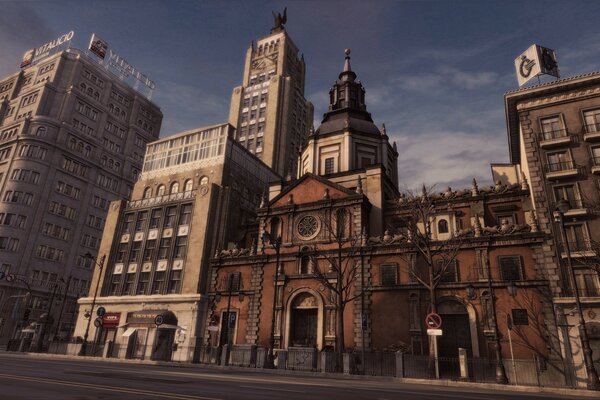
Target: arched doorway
x,y
456,327
304,316
165,336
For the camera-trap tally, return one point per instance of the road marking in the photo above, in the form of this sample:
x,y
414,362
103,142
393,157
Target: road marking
x,y
108,388
272,389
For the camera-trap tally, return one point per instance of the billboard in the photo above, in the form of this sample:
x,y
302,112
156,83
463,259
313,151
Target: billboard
x,y
34,55
98,46
535,61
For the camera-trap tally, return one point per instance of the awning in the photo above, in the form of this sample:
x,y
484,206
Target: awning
x,y
129,332
167,326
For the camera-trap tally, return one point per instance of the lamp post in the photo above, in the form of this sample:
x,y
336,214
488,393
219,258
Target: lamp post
x,y
592,376
500,371
83,349
276,242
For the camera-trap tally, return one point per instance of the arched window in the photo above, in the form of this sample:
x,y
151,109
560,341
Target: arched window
x,y
104,160
147,192
41,131
204,180
189,184
161,190
305,266
174,187
82,86
88,150
442,226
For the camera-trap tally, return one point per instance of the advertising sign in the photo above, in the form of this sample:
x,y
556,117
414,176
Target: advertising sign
x,y
33,55
534,61
98,46
111,319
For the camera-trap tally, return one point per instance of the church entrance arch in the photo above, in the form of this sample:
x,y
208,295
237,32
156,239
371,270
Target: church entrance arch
x,y
456,328
304,320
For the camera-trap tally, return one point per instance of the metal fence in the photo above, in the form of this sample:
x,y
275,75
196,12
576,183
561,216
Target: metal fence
x,y
532,372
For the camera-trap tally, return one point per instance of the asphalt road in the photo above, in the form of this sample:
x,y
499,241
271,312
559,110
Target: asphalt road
x,y
23,377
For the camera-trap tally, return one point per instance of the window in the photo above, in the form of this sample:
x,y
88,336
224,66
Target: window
x,y
275,228
25,175
552,128
128,284
140,223
180,246
568,193
174,187
135,251
234,281
155,218
149,250
388,274
157,283
451,273
442,226
592,120
587,282
577,238
329,163
9,244
163,250
175,282
185,214
161,190
114,284
122,249
559,161
510,268
170,215
143,283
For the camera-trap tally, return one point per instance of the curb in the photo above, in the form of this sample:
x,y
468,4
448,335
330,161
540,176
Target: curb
x,y
444,383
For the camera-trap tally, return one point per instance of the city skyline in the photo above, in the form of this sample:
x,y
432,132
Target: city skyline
x,y
434,73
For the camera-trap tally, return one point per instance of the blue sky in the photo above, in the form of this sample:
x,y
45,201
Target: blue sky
x,y
435,71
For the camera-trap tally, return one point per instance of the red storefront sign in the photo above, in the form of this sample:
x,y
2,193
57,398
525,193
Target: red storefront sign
x,y
111,320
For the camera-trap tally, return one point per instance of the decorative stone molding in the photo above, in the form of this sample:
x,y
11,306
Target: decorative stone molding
x,y
388,238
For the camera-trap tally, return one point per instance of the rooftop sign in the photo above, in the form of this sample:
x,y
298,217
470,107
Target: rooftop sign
x,y
535,61
34,55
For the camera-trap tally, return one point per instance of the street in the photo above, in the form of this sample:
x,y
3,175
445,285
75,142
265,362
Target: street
x,y
30,378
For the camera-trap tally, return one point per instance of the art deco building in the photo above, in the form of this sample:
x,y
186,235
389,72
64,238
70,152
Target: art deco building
x,y
198,191
554,142
269,110
72,139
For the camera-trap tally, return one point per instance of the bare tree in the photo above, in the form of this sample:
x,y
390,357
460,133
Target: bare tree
x,y
342,269
434,256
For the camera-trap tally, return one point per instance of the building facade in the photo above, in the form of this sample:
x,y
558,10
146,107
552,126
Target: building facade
x,y
72,139
344,262
271,116
553,136
198,191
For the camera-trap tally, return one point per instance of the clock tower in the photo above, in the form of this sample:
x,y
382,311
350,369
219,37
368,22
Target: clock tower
x,y
271,116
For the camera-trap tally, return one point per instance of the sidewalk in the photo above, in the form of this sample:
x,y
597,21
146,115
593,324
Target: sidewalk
x,y
576,393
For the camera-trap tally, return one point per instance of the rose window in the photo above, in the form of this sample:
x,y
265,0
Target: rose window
x,y
308,227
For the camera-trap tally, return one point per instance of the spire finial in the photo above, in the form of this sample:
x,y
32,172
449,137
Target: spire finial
x,y
347,60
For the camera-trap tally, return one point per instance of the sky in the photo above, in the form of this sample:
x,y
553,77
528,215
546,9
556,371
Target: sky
x,y
434,72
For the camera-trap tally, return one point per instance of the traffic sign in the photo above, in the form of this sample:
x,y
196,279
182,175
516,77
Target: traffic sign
x,y
101,311
433,321
159,320
98,322
434,332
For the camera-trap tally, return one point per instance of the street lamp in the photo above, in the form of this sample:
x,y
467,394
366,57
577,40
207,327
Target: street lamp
x,y
276,243
592,376
500,371
83,349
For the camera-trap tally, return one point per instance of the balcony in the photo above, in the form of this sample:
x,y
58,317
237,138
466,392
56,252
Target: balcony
x,y
563,169
555,138
579,248
591,133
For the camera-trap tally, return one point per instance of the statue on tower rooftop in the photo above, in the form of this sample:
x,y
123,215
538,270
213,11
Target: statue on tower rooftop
x,y
279,20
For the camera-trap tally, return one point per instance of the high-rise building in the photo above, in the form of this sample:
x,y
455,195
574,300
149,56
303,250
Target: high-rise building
x,y
269,110
198,191
72,139
554,142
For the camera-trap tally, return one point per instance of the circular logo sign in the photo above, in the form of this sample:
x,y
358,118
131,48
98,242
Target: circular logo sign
x,y
98,322
10,277
433,321
101,311
159,320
